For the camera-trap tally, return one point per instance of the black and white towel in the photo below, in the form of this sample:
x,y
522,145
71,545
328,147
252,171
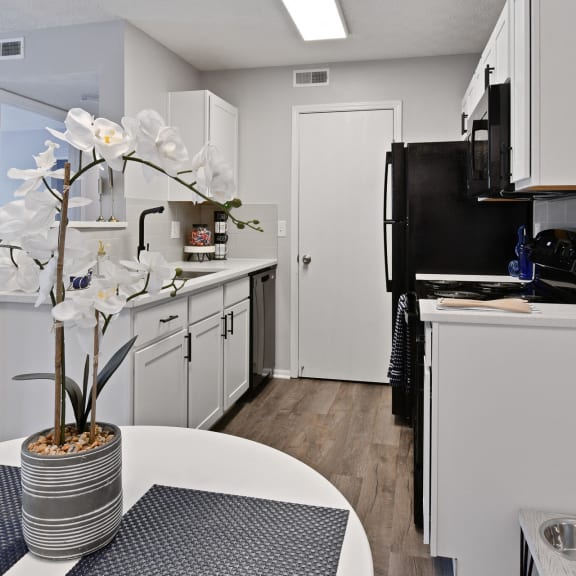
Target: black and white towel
x,y
399,368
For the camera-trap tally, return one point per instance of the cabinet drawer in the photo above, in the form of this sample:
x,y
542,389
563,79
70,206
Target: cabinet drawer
x,y
161,320
205,304
236,291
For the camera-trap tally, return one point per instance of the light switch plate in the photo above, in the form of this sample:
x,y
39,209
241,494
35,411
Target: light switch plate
x,y
281,228
175,229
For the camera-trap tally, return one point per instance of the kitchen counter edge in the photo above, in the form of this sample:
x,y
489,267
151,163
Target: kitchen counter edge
x,y
224,271
545,315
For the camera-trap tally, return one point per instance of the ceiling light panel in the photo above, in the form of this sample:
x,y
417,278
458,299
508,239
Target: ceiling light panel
x,y
317,19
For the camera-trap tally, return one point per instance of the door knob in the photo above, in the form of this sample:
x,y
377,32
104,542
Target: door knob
x,y
306,259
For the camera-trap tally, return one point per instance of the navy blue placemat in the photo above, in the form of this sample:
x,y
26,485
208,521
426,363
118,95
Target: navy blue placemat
x,y
12,545
175,531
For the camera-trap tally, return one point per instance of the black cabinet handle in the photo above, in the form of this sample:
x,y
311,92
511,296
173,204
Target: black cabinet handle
x,y
188,338
169,319
463,117
487,71
231,314
225,333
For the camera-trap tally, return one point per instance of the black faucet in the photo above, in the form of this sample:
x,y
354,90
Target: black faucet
x,y
141,245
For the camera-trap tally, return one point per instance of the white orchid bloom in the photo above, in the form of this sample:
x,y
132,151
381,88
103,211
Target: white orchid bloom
x,y
78,258
112,142
78,312
22,276
33,176
214,177
156,143
154,266
79,130
122,279
46,279
34,214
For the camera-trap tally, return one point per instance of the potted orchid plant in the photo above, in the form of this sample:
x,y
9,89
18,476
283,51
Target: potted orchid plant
x,y
38,256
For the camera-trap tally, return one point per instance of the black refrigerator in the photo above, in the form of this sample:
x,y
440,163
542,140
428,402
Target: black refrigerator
x,y
437,228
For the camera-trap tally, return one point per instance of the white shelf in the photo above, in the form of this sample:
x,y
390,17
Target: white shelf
x,y
95,225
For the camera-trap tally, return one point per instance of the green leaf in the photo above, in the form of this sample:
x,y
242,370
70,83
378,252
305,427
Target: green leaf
x,y
107,372
72,389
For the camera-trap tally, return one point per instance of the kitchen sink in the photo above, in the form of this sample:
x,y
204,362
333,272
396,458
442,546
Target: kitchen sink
x,y
560,535
191,274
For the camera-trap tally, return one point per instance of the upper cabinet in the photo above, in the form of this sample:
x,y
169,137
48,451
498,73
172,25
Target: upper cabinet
x,y
203,117
543,126
493,66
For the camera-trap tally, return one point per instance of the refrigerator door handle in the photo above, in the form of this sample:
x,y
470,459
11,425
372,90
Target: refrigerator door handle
x,y
387,221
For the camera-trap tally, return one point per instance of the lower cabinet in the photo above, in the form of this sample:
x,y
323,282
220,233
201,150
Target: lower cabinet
x,y
160,382
205,393
236,351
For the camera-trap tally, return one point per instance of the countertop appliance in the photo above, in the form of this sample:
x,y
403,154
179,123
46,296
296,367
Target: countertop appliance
x,y
262,327
554,254
436,228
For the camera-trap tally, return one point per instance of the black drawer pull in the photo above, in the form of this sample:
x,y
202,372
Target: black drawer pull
x,y
225,333
231,314
188,339
169,319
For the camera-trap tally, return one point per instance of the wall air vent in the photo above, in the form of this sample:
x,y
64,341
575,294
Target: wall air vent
x,y
311,77
11,48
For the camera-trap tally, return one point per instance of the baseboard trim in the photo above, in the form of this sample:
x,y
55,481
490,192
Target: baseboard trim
x,y
282,374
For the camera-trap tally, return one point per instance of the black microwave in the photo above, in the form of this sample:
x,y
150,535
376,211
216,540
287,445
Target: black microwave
x,y
488,156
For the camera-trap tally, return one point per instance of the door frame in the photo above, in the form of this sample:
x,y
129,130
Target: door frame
x,y
297,112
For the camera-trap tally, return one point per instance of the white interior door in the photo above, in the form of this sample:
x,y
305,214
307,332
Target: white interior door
x,y
344,313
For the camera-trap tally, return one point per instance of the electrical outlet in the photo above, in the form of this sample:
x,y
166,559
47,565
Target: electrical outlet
x,y
175,229
281,228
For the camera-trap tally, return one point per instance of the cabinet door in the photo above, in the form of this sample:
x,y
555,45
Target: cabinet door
x,y
520,90
502,48
205,394
236,352
223,131
160,392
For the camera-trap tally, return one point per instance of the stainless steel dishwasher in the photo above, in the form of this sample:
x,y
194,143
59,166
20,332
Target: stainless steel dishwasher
x,y
262,327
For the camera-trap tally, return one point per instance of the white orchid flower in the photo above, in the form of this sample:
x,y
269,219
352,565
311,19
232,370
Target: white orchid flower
x,y
112,142
154,266
78,258
22,276
122,279
156,143
33,176
78,312
214,177
79,130
34,214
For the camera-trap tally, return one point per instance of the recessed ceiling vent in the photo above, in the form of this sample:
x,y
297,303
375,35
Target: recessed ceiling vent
x,y
11,48
311,77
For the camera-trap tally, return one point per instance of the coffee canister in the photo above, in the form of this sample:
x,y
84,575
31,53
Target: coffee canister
x,y
220,222
220,246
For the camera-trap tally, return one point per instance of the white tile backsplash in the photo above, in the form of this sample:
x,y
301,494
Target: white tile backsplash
x,y
554,213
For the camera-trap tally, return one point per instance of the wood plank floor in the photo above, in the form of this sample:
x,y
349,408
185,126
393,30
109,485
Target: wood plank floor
x,y
346,432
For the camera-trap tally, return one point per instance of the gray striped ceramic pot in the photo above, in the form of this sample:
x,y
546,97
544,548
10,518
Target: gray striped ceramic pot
x,y
71,503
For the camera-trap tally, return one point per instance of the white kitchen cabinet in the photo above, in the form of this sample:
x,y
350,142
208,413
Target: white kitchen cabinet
x,y
520,90
160,383
543,89
236,352
205,383
496,56
203,117
502,407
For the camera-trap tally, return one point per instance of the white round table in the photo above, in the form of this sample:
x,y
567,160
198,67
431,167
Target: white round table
x,y
216,462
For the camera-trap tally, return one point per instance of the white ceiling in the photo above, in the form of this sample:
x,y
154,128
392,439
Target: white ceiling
x,y
231,34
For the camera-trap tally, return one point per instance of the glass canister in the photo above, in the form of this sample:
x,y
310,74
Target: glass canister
x,y
220,246
200,235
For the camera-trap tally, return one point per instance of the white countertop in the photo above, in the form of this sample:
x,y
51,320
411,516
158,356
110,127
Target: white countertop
x,y
224,271
547,561
550,315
